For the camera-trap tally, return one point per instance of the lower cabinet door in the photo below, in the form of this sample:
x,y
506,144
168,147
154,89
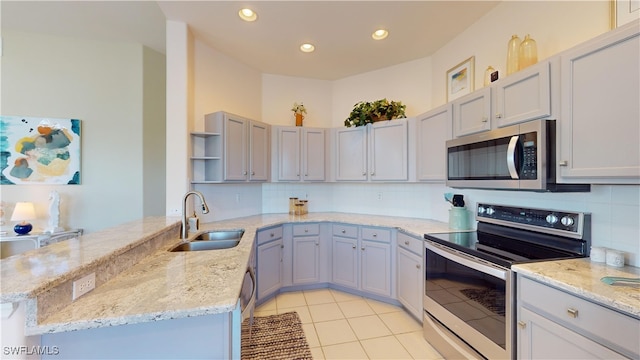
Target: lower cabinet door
x,y
410,282
345,262
376,267
269,268
541,338
306,259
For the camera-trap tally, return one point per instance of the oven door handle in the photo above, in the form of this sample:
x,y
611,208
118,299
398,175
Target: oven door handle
x,y
511,157
472,263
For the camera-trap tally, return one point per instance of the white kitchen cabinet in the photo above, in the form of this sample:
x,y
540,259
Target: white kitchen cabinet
x,y
364,262
306,254
410,280
600,123
345,255
524,95
434,129
231,148
300,154
376,267
552,323
472,113
269,261
376,152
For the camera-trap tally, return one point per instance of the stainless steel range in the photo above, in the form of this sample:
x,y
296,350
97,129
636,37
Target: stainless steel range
x,y
469,300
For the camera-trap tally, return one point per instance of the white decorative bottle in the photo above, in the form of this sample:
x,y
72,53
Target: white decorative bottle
x,y
513,49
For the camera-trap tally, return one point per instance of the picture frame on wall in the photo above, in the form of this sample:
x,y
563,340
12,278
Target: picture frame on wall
x,y
40,151
624,11
460,79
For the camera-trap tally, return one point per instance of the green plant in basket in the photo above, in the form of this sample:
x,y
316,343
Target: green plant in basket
x,y
365,112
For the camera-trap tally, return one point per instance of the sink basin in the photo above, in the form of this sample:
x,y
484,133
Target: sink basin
x,y
211,240
220,235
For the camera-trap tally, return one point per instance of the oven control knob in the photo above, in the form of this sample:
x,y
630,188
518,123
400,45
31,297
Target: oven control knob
x,y
490,211
567,220
551,219
481,210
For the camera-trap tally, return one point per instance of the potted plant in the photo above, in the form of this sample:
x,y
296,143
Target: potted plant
x,y
298,110
365,112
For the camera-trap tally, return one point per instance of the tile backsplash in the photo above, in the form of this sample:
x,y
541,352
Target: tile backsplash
x,y
615,209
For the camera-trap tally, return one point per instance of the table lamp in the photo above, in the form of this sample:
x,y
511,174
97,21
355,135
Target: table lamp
x,y
22,212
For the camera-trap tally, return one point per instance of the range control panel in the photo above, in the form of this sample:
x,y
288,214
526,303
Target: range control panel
x,y
567,223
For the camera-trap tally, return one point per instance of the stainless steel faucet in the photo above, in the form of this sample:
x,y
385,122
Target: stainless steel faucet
x,y
205,210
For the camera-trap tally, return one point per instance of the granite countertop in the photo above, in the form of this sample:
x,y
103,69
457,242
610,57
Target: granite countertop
x,y
163,285
582,277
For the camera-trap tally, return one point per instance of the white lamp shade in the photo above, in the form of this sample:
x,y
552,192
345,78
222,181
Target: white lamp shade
x,y
23,211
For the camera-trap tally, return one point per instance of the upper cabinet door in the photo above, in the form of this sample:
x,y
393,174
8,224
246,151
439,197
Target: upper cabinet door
x,y
525,95
313,164
472,113
389,151
351,159
235,148
288,154
259,151
434,129
600,123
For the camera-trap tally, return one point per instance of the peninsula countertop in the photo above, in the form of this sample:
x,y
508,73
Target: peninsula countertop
x,y
163,285
582,277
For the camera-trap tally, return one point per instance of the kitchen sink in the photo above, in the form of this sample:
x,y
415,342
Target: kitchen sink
x,y
211,240
219,235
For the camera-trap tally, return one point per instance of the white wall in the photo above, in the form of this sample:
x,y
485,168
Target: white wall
x,y
279,93
100,83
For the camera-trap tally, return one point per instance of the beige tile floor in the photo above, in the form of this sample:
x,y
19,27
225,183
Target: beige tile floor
x,y
339,325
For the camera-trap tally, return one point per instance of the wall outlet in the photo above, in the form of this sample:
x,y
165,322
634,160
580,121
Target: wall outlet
x,y
84,285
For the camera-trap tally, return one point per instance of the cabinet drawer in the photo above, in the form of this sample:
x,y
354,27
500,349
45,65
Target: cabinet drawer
x,y
621,332
376,234
306,229
349,231
410,243
269,234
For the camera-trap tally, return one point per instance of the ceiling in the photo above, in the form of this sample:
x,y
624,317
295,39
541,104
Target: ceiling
x,y
340,30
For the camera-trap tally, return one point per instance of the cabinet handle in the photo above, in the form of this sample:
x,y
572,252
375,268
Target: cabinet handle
x,y
373,173
272,234
306,230
572,312
253,173
353,247
406,242
244,173
362,248
306,174
317,244
522,324
375,235
344,231
498,116
297,174
417,266
281,246
563,163
484,120
364,173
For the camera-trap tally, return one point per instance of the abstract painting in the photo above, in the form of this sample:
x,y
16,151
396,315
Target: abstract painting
x,y
39,151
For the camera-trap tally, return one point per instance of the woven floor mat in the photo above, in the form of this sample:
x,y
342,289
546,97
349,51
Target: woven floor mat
x,y
275,337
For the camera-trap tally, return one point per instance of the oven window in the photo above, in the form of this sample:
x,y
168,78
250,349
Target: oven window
x,y
476,298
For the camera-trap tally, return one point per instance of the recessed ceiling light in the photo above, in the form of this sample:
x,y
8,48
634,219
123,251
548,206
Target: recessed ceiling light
x,y
307,48
247,14
380,34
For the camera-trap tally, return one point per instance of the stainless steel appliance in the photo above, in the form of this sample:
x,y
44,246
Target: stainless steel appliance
x,y
469,300
517,157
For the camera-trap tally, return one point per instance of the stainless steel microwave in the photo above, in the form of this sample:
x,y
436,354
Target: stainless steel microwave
x,y
517,157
